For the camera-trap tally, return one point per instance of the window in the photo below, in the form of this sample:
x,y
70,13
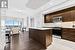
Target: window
x,y
12,22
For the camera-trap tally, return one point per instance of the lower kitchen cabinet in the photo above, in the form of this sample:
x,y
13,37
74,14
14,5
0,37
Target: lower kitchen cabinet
x,y
68,34
44,37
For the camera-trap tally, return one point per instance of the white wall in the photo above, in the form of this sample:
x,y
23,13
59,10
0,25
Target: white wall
x,y
38,20
2,40
2,34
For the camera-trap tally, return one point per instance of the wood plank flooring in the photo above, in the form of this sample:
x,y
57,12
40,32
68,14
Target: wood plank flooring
x,y
22,42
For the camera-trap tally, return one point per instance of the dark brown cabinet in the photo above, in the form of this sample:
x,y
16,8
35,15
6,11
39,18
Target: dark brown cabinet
x,y
48,19
67,16
73,14
44,37
68,34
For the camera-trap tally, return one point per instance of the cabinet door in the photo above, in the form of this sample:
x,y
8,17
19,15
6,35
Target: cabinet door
x,y
68,34
48,19
67,16
48,37
73,14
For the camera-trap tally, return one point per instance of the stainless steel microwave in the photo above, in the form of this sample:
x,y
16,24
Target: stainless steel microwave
x,y
57,19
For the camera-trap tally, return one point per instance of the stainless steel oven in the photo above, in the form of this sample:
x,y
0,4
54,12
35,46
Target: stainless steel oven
x,y
57,31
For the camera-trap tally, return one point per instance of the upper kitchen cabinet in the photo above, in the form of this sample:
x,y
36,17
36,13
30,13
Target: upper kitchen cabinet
x,y
73,14
48,19
66,16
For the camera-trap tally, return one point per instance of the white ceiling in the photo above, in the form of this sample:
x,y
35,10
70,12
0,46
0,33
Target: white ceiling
x,y
60,6
31,7
35,4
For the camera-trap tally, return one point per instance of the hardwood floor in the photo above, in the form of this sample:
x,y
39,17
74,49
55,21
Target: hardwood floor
x,y
22,42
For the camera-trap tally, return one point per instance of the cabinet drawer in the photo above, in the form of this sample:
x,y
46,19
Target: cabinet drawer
x,y
68,33
69,37
68,30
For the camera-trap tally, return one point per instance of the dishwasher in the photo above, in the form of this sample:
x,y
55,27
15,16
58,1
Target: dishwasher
x,y
57,32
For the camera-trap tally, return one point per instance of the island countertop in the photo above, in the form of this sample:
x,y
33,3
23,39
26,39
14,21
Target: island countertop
x,y
40,28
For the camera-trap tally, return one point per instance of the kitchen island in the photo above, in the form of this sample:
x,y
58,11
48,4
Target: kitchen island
x,y
41,35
